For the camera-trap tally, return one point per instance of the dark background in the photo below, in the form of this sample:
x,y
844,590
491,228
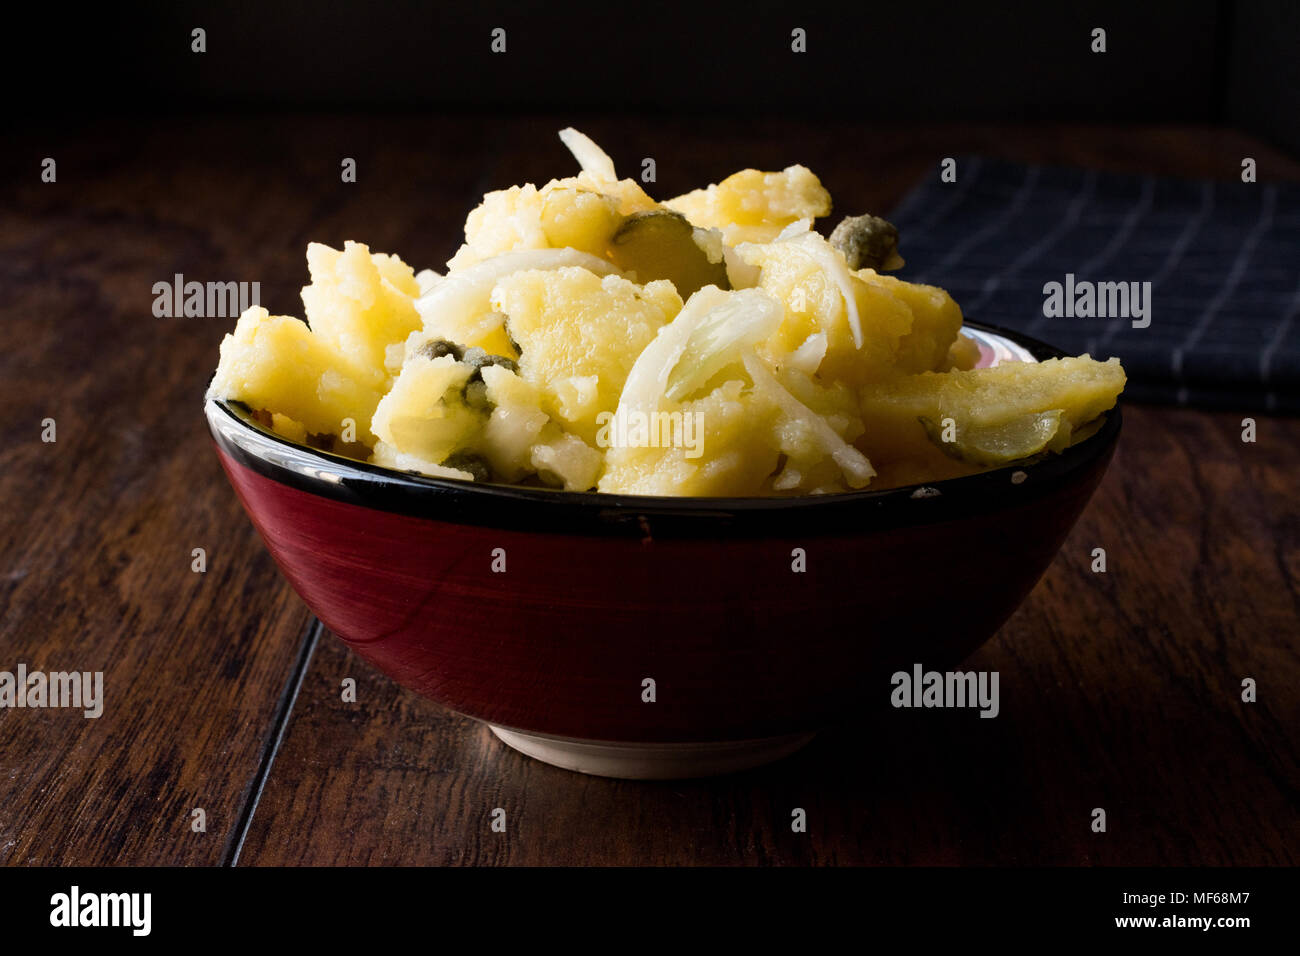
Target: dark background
x,y
1194,61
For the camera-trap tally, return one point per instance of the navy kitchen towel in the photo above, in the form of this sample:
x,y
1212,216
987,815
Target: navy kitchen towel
x,y
1195,285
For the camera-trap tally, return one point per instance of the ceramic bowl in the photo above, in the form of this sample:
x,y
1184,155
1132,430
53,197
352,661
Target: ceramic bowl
x,y
650,637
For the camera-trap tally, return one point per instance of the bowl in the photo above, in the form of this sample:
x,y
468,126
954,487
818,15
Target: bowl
x,y
655,637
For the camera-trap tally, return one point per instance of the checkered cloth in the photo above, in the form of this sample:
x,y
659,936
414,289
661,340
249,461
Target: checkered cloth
x,y
1223,260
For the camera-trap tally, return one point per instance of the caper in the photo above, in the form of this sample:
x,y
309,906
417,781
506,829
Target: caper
x,y
472,462
867,242
437,348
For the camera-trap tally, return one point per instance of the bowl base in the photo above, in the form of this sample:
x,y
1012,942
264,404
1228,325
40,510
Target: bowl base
x,y
650,761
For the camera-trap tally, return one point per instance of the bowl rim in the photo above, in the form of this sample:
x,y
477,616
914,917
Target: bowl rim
x,y
527,508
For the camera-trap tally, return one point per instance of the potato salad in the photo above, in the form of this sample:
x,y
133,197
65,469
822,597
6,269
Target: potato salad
x,y
590,338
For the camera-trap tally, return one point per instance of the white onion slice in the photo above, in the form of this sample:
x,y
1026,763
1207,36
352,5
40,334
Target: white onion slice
x,y
648,380
734,325
713,329
807,358
797,228
590,157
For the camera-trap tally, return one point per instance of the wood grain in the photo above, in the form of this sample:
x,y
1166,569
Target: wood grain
x,y
1119,691
97,536
98,527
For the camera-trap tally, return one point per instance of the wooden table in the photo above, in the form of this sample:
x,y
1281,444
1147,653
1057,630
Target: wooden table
x,y
1119,690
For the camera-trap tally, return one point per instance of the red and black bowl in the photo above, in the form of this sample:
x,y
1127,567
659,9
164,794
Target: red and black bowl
x,y
640,636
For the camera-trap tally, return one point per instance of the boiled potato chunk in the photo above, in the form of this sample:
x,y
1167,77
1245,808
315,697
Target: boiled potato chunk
x,y
661,244
964,354
809,463
580,219
723,446
936,320
629,195
459,308
425,414
507,219
579,212
275,362
565,460
579,335
514,425
388,456
992,415
752,206
286,427
361,303
796,273
903,326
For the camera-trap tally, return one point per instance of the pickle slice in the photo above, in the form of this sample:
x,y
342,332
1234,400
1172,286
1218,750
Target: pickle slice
x,y
997,413
661,244
1001,444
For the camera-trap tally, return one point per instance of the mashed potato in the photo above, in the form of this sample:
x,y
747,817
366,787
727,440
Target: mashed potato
x,y
589,338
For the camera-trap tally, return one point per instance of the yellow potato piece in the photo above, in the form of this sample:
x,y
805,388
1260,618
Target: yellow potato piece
x,y
563,459
936,320
515,424
423,415
963,354
807,466
815,304
753,206
724,448
275,362
580,335
358,302
629,195
507,219
286,427
579,219
579,212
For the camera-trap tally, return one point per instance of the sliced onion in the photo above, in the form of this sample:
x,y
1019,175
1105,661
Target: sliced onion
x,y
590,157
735,324
807,358
794,230
648,380
712,329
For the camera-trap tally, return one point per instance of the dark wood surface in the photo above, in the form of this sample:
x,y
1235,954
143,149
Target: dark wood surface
x,y
1119,690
